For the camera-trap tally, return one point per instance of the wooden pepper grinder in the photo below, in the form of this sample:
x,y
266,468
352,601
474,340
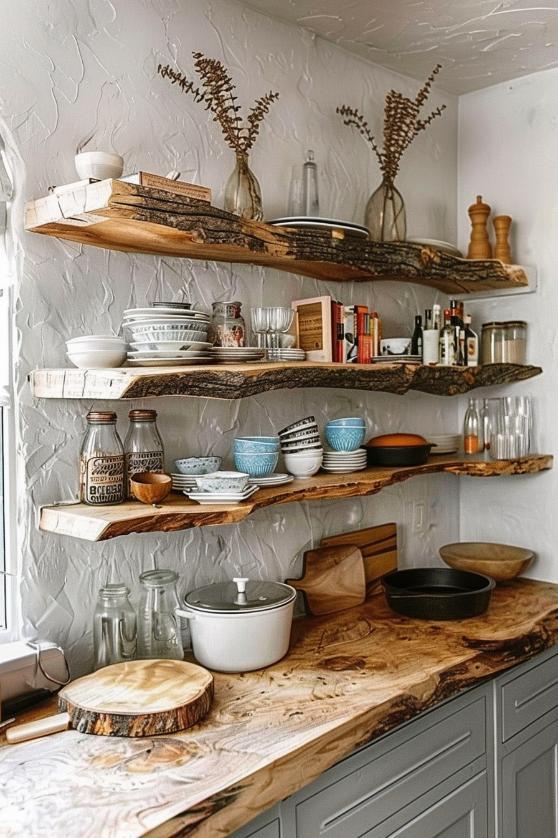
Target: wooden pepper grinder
x,y
502,224
479,246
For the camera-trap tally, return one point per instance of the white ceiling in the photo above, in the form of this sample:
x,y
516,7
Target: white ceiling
x,y
478,42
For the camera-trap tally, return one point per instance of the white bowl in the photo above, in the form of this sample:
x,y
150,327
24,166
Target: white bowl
x,y
303,465
395,346
98,358
98,164
96,343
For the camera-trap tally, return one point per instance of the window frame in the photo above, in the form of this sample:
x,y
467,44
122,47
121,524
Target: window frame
x,y
8,464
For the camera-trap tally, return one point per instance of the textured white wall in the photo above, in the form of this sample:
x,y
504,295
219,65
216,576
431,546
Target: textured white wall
x,y
71,68
507,153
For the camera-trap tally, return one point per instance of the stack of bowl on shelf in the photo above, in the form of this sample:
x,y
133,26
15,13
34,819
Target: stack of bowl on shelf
x,y
166,334
222,487
188,468
301,447
256,455
97,351
345,436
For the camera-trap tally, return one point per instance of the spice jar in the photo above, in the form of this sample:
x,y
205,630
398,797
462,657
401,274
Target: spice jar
x,y
227,324
101,461
114,626
159,632
143,446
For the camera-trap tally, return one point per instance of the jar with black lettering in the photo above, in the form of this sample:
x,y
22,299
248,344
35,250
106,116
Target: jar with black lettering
x,y
102,467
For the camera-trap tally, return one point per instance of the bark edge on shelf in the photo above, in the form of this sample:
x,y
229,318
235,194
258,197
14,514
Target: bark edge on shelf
x,y
179,513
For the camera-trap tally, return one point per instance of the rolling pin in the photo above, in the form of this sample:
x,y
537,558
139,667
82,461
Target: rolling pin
x,y
40,727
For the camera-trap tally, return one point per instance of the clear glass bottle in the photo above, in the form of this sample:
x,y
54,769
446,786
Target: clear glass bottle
x,y
143,446
310,198
471,432
243,195
102,467
114,626
159,633
485,427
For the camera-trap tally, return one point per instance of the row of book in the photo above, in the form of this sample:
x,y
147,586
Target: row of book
x,y
328,330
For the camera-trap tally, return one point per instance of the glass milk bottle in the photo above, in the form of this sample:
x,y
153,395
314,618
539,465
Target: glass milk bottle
x,y
143,446
101,474
159,632
114,626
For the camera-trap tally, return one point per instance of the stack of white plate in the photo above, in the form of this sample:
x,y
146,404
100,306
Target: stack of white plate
x,y
397,359
183,481
312,222
445,443
166,335
274,479
343,462
236,354
222,497
286,354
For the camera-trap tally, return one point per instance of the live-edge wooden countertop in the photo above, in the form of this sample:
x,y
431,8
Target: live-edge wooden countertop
x,y
346,680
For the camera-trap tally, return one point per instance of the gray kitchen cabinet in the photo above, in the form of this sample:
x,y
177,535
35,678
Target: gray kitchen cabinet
x,y
482,765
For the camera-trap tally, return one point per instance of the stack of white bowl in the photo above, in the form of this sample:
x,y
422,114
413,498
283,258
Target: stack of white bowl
x,y
301,447
167,333
97,351
444,443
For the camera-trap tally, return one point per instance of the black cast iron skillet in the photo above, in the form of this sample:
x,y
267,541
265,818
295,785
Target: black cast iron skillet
x,y
398,455
437,593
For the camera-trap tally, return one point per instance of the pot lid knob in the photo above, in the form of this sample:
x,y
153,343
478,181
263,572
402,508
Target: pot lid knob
x,y
240,582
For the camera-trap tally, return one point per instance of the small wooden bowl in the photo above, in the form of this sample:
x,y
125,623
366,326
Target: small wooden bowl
x,y
149,487
502,562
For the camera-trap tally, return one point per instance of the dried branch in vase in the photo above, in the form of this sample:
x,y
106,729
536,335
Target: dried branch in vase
x,y
402,123
218,94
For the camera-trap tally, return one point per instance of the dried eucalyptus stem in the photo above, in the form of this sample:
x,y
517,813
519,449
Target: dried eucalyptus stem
x,y
402,123
218,93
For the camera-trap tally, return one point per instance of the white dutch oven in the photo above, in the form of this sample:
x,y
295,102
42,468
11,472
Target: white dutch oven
x,y
240,625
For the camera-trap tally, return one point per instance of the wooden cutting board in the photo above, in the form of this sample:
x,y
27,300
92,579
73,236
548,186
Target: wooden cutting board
x,y
332,579
378,546
136,698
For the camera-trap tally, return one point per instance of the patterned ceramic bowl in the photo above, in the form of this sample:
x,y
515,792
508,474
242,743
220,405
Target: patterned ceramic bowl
x,y
256,465
223,481
344,438
351,421
198,465
256,444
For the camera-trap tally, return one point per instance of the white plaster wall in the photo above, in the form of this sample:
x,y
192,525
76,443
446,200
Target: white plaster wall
x,y
71,68
507,153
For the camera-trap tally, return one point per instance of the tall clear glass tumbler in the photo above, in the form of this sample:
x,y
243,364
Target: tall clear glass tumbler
x,y
114,626
159,632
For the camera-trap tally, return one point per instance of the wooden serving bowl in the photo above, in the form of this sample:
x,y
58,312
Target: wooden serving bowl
x,y
502,562
150,487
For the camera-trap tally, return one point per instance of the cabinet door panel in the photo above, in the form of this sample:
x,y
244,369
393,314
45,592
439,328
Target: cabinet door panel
x,y
529,788
528,697
461,814
266,825
382,780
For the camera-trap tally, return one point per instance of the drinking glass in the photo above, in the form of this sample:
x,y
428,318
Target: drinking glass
x,y
511,428
114,626
280,320
260,324
159,633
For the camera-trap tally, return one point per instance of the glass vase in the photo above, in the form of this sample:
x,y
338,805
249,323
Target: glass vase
x,y
385,214
242,193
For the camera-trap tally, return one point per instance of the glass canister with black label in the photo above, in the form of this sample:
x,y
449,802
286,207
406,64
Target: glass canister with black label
x,y
143,446
102,478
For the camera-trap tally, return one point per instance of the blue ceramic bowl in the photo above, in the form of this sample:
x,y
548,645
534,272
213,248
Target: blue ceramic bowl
x,y
256,444
351,421
343,438
256,465
198,465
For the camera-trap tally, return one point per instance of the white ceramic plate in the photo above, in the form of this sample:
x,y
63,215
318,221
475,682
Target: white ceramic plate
x,y
146,345
156,311
314,219
272,480
159,362
397,359
222,497
342,469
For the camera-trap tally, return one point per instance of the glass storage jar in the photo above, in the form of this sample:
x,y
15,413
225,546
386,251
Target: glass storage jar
x,y
114,626
227,324
159,632
516,341
101,461
492,342
143,446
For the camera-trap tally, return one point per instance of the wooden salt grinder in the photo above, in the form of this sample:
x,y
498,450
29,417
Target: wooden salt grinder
x,y
479,246
502,224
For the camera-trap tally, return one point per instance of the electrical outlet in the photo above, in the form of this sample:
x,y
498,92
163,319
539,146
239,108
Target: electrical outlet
x,y
419,517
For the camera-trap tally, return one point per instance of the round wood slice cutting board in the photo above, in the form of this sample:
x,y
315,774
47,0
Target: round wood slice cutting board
x,y
138,698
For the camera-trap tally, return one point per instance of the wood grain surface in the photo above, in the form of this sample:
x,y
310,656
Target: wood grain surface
x,y
122,216
347,679
378,547
238,381
179,513
332,579
138,698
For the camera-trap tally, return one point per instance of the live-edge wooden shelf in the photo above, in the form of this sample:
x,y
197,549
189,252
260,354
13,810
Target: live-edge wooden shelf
x,y
116,215
179,513
242,380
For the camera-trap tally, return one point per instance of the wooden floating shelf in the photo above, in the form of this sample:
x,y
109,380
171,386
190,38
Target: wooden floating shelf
x,y
180,513
116,215
242,380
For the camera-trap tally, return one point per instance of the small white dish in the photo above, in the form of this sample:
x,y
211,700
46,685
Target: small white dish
x,y
98,164
221,497
219,482
98,358
272,480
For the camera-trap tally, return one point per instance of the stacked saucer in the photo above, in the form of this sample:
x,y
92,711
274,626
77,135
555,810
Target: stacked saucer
x,y
274,479
221,497
236,354
166,334
343,462
286,354
444,443
180,482
397,359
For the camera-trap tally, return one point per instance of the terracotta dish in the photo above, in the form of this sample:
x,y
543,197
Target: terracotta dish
x,y
396,440
149,487
502,562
